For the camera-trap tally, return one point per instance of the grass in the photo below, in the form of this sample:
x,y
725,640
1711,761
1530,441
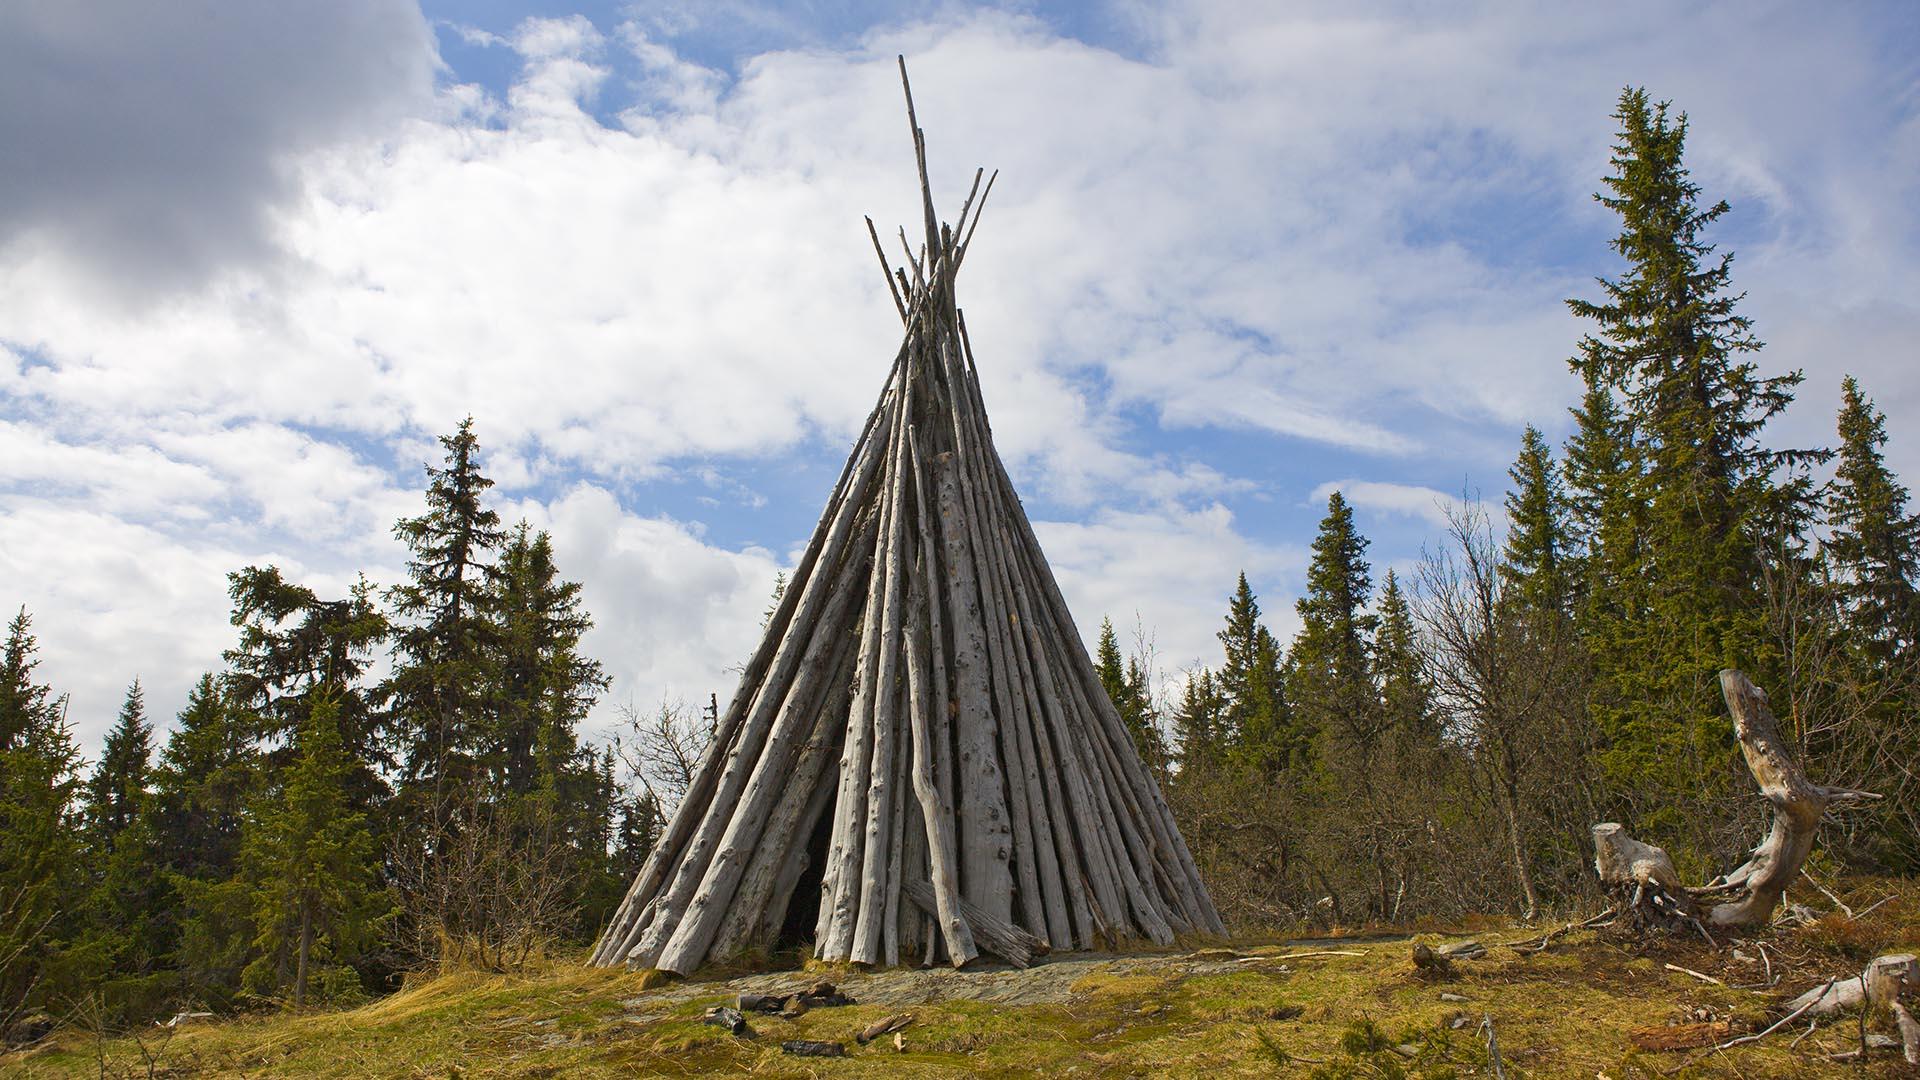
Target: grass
x,y
1568,1012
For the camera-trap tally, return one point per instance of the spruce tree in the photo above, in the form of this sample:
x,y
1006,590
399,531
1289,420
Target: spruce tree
x,y
1199,726
1404,693
1874,544
543,686
118,785
41,957
1127,686
1330,676
1536,564
295,650
130,910
1257,723
443,642
312,871
207,769
1679,595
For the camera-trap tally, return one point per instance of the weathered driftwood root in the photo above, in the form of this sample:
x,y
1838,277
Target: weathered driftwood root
x,y
1880,983
921,720
1641,878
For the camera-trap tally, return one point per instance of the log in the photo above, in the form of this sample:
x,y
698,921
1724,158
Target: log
x,y
986,875
771,774
927,712
870,922
993,934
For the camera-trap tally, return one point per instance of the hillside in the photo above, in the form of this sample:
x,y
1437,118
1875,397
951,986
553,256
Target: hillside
x,y
1335,1006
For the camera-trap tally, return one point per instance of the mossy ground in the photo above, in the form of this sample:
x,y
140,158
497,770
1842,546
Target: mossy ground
x,y
1568,1012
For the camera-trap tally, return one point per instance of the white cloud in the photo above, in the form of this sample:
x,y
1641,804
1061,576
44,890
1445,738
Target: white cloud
x,y
1407,500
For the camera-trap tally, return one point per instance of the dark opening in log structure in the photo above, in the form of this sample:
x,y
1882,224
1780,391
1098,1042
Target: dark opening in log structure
x,y
921,719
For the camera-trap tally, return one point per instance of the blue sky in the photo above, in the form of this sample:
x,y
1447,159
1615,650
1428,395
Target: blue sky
x,y
1238,255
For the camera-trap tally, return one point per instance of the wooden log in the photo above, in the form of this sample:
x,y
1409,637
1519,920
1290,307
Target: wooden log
x,y
998,936
1068,858
1008,697
771,773
760,902
870,922
986,877
1202,912
623,934
927,713
1206,916
1040,874
840,887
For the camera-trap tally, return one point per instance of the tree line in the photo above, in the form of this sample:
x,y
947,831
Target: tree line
x,y
1444,745
308,831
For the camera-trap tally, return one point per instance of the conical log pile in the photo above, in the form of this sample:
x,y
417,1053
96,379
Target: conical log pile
x,y
921,737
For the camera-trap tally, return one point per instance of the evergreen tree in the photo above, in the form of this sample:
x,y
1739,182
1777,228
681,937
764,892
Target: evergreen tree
x,y
1536,564
1330,676
1875,544
1257,722
1199,726
544,687
40,956
312,870
295,650
640,826
1127,686
129,908
443,644
1404,693
1682,595
119,782
206,772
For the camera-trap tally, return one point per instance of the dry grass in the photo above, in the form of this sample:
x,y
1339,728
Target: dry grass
x,y
1574,1011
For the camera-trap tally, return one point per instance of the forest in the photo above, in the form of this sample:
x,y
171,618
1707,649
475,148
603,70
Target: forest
x,y
398,779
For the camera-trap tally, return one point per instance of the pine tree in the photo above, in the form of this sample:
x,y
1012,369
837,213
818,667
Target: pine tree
x,y
40,955
1257,722
312,869
1128,688
295,650
118,786
130,907
1330,675
544,687
1536,564
1875,544
1199,726
207,772
1404,693
437,693
1678,597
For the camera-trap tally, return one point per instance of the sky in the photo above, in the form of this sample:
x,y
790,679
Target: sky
x,y
255,259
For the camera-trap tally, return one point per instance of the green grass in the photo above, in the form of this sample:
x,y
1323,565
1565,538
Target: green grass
x,y
1568,1012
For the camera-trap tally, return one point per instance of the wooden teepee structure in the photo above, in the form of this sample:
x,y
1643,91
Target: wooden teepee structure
x,y
920,740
